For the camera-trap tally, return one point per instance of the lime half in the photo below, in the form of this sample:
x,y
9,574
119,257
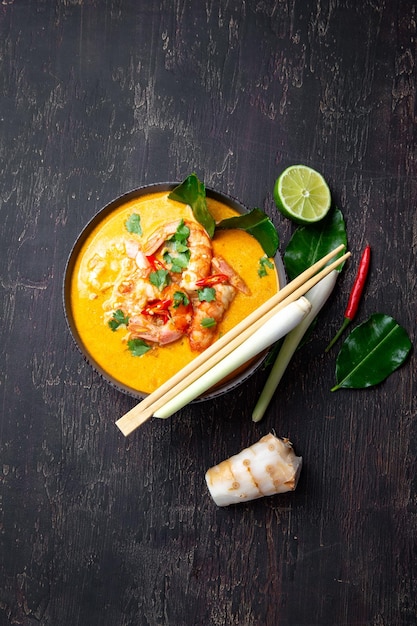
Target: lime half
x,y
302,194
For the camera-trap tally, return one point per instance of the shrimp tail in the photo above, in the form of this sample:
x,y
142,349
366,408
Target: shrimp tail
x,y
220,265
163,334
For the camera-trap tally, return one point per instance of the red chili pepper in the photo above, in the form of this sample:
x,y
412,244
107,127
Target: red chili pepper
x,y
355,294
155,263
159,308
214,279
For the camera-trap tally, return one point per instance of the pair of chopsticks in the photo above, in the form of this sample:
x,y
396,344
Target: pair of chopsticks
x,y
228,342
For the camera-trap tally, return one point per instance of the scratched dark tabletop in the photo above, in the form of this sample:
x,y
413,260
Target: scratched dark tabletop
x,y
98,98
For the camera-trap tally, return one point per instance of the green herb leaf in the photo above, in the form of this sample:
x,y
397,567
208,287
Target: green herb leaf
x,y
181,234
178,254
207,294
310,243
208,322
264,263
118,319
133,224
177,246
160,279
180,298
193,192
372,351
257,224
137,347
179,262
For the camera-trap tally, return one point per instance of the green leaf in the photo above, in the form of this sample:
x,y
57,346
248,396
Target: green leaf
x,y
177,246
159,279
208,322
310,243
207,294
118,319
178,254
137,347
371,352
264,264
193,192
181,235
180,298
257,224
179,262
133,224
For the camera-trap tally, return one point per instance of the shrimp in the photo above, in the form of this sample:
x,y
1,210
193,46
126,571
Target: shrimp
x,y
163,320
198,245
207,316
199,287
209,313
160,333
219,264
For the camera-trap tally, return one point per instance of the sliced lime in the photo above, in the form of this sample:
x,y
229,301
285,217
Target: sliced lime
x,y
302,194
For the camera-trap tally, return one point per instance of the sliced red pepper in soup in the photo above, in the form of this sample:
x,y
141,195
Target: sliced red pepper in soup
x,y
155,263
159,308
214,279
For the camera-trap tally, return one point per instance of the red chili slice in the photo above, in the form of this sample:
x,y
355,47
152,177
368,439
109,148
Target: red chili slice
x,y
214,279
155,263
159,308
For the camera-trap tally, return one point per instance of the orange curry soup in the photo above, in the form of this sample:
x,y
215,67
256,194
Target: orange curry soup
x,y
90,289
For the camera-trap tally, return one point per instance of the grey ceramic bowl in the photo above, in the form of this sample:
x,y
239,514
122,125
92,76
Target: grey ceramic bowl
x,y
102,214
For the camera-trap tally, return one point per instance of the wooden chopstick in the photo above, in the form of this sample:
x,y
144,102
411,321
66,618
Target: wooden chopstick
x,y
228,342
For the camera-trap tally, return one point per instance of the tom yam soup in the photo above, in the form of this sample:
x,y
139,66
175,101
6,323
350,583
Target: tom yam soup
x,y
148,290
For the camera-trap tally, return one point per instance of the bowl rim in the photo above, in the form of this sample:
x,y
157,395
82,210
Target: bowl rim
x,y
95,220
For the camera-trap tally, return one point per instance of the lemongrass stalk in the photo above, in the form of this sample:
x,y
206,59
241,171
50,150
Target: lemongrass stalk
x,y
267,467
317,296
274,329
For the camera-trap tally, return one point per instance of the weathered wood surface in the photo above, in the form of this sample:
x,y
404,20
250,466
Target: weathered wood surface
x,y
97,98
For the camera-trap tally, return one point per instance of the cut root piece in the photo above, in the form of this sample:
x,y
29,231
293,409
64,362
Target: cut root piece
x,y
268,467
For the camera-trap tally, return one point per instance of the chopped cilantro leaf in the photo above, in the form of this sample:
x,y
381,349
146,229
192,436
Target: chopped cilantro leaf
x,y
177,246
178,254
138,347
207,294
180,298
208,322
264,263
133,224
118,319
182,233
160,279
179,262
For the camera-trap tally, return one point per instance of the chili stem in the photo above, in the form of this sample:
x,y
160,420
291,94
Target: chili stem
x,y
355,294
341,330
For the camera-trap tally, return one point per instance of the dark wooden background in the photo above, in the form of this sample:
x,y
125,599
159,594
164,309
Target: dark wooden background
x,y
98,98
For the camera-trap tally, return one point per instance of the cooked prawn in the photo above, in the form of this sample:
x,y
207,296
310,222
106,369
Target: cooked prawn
x,y
160,333
183,250
207,316
163,320
199,247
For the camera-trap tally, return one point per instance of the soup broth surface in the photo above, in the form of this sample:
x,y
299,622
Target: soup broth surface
x,y
91,284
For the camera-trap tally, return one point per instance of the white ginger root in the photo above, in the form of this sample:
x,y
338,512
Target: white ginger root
x,y
267,467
